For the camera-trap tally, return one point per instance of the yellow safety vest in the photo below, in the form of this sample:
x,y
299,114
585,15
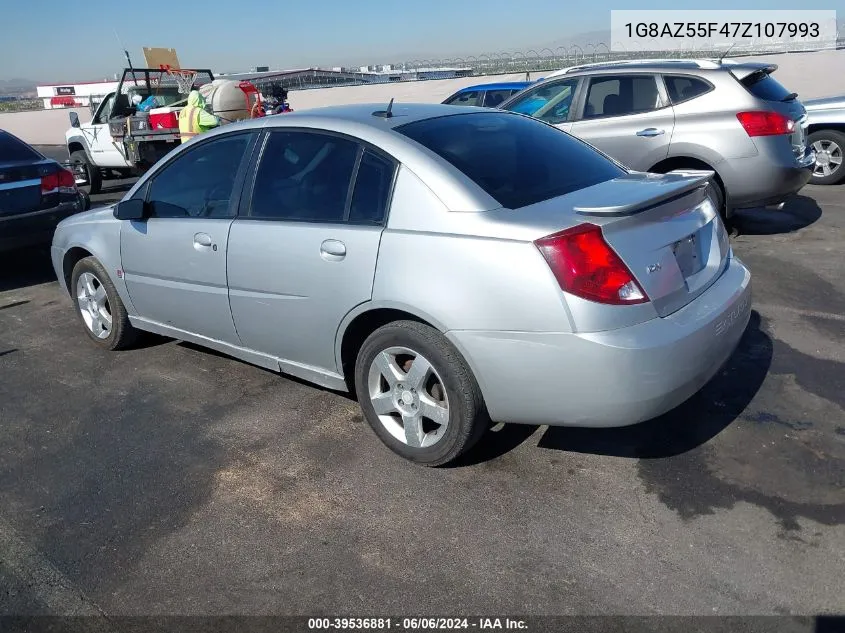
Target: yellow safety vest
x,y
189,123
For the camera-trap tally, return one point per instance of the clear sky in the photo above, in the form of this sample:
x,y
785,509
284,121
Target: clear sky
x,y
73,40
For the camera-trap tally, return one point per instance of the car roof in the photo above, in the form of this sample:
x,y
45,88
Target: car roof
x,y
671,65
502,85
359,121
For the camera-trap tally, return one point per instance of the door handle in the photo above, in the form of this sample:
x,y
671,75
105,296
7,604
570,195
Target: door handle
x,y
332,250
203,241
651,131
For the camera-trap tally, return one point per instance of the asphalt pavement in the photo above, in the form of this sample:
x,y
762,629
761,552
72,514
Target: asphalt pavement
x,y
169,479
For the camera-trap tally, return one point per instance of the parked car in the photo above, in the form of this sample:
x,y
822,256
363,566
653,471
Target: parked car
x,y
486,95
735,119
36,193
827,138
447,265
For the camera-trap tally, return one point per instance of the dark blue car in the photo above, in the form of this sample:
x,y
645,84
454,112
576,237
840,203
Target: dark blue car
x,y
486,95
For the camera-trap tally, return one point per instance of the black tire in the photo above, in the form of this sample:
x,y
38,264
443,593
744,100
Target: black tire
x,y
467,415
837,139
121,335
92,173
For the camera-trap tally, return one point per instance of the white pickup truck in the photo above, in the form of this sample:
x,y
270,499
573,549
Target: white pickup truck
x,y
122,140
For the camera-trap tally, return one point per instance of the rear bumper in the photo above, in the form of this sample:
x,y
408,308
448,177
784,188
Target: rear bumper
x,y
764,180
37,227
612,378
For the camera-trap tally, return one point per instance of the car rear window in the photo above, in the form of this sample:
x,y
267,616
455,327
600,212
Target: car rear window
x,y
13,149
516,159
763,86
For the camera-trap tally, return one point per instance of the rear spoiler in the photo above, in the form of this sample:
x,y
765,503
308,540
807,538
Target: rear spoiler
x,y
741,71
673,185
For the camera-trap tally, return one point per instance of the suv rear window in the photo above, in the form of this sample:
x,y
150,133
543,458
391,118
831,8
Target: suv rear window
x,y
13,149
517,160
763,86
681,88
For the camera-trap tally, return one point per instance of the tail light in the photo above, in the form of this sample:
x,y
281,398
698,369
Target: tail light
x,y
584,265
758,123
62,180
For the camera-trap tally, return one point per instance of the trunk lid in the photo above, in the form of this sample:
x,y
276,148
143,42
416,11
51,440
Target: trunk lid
x,y
20,187
664,227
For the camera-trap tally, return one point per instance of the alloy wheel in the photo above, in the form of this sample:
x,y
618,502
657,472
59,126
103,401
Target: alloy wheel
x,y
409,397
828,158
93,303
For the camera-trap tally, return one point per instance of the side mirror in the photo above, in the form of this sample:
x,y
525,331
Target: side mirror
x,y
134,209
74,119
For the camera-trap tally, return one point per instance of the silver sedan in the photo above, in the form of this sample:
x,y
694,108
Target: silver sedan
x,y
450,266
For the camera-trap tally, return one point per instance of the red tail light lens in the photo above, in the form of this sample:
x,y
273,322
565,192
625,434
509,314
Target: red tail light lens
x,y
50,182
61,179
66,179
765,123
585,265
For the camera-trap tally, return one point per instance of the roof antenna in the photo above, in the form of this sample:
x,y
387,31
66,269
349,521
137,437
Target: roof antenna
x,y
386,114
726,52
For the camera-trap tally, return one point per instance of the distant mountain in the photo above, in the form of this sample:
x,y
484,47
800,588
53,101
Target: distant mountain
x,y
16,86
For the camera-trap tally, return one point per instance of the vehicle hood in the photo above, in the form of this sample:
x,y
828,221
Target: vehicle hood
x,y
827,103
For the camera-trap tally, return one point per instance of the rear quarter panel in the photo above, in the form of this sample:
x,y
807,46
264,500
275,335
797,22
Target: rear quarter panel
x,y
459,270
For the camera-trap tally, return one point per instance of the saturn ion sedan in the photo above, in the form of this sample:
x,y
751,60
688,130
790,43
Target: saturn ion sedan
x,y
451,266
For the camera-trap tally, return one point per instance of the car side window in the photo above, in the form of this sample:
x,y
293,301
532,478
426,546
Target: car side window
x,y
469,98
304,176
372,189
494,97
199,182
548,102
619,95
105,110
682,88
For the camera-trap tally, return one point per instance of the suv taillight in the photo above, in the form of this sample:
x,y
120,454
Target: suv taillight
x,y
584,265
62,180
758,123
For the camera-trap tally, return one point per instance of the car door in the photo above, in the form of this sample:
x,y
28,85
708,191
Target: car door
x,y
628,117
105,152
174,260
304,254
550,101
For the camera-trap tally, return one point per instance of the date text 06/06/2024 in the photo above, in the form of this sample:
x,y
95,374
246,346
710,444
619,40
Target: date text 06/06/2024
x,y
416,624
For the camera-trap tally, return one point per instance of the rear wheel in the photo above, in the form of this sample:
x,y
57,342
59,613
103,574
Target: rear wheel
x,y
87,176
829,146
418,394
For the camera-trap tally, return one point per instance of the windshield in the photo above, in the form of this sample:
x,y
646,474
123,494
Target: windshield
x,y
517,160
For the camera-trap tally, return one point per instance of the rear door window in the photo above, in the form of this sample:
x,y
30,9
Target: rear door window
x,y
682,88
304,177
494,97
517,160
13,149
763,86
610,95
372,189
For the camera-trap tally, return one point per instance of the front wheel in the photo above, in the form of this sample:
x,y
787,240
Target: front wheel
x,y
85,174
99,306
829,146
418,394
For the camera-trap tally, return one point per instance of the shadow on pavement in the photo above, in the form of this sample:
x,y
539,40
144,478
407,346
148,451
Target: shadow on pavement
x,y
695,422
799,212
25,267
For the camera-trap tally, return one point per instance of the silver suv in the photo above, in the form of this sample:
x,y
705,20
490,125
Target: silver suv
x,y
658,115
